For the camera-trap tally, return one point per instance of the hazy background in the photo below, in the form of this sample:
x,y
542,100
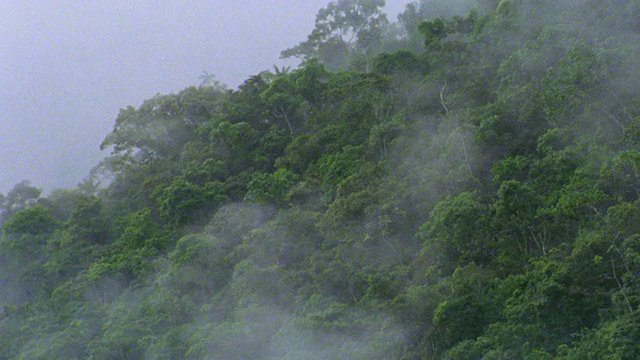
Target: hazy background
x,y
68,66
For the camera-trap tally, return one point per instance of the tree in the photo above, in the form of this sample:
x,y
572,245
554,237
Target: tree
x,y
270,188
401,61
36,220
23,251
161,126
21,196
417,12
184,203
198,267
433,32
345,30
456,233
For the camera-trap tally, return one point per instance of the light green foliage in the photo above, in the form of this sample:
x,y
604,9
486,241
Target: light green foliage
x,y
455,234
336,167
615,340
142,324
235,144
183,203
36,220
270,188
129,256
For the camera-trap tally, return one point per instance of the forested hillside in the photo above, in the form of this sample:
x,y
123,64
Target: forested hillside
x,y
462,183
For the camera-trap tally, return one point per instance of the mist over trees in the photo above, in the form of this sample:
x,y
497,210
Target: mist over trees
x,y
462,183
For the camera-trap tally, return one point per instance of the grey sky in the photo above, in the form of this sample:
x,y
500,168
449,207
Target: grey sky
x,y
68,66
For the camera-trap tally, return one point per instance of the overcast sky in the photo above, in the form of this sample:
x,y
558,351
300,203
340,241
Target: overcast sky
x,y
68,66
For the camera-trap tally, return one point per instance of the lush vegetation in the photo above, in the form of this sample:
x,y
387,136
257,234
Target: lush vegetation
x,y
447,186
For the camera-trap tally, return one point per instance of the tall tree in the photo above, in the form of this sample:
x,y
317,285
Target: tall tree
x,y
346,31
20,197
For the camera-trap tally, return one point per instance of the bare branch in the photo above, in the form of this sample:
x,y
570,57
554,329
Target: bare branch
x,y
446,110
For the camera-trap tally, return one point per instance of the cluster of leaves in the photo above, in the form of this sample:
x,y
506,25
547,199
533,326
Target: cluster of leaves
x,y
476,198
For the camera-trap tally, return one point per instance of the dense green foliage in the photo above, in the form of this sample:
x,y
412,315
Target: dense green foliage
x,y
451,186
